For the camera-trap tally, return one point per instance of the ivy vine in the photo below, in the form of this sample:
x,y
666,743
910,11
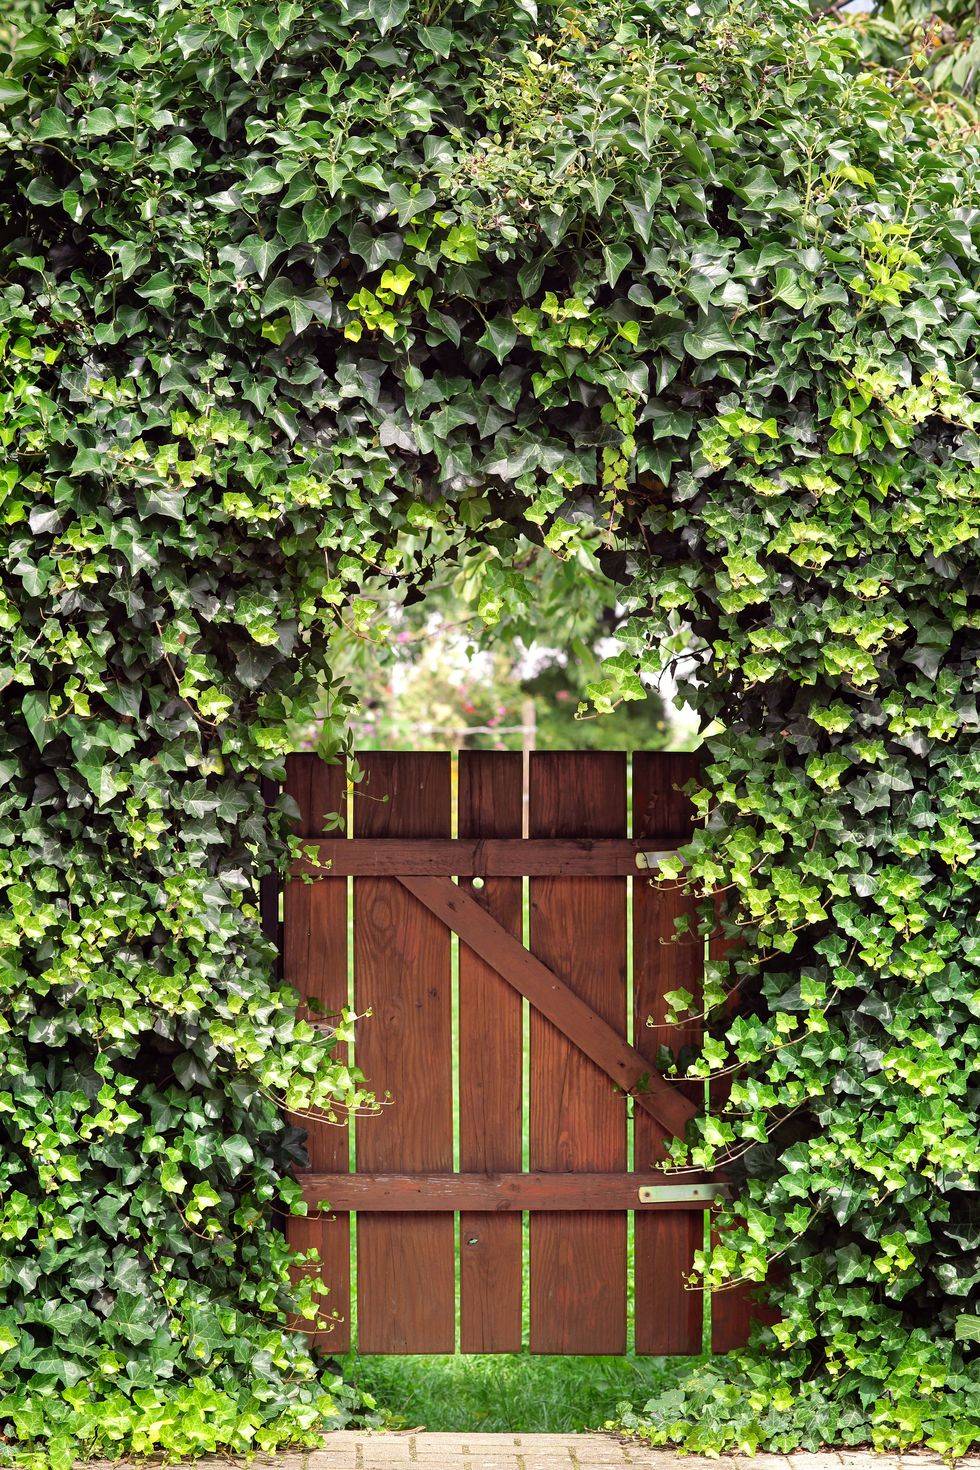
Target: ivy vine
x,y
287,289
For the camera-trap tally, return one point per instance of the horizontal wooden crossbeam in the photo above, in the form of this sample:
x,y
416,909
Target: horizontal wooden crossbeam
x,y
482,857
554,998
504,1192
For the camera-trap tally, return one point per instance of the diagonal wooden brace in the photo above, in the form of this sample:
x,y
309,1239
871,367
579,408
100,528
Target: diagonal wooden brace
x,y
550,995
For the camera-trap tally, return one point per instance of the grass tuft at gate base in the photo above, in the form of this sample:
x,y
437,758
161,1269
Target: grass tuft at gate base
x,y
284,288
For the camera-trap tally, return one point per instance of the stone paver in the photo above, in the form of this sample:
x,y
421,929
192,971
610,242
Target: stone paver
x,y
359,1450
418,1450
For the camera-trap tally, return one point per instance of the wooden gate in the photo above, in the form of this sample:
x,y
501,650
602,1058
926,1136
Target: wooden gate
x,y
509,1067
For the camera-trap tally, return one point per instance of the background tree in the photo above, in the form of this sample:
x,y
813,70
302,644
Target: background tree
x,y
936,46
487,659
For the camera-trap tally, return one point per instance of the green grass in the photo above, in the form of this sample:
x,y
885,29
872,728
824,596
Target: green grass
x,y
516,1393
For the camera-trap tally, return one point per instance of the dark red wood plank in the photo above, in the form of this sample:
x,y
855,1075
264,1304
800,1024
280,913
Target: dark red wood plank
x,y
578,1121
315,963
270,885
405,1262
469,857
734,1309
499,1193
551,996
490,804
668,1314
331,1332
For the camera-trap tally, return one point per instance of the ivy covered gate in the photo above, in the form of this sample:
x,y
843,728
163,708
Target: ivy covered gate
x,y
505,1063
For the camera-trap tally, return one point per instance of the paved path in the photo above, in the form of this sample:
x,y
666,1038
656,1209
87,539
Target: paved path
x,y
360,1450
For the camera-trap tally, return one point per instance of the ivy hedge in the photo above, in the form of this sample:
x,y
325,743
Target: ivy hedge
x,y
288,287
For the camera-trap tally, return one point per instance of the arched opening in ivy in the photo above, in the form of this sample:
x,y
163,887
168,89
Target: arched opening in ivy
x,y
284,291
487,662
493,654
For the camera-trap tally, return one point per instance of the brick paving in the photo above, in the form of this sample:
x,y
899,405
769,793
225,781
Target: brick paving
x,y
366,1450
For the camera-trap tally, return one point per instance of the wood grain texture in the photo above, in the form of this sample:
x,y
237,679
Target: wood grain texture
x,y
490,797
469,857
406,1269
314,961
733,1312
668,1316
492,1194
552,996
578,1122
270,885
736,1308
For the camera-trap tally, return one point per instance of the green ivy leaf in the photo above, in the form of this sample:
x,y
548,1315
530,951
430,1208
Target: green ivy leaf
x,y
499,338
35,711
711,338
388,13
617,258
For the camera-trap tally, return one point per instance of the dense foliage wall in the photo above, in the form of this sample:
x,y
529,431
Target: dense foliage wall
x,y
286,286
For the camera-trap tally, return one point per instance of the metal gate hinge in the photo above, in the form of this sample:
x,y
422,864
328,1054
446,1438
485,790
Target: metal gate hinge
x,y
682,1194
650,861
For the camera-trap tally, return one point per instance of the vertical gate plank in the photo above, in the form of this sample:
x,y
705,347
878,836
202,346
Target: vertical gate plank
x,y
578,927
733,1312
735,1309
405,1262
270,886
315,963
490,805
668,1317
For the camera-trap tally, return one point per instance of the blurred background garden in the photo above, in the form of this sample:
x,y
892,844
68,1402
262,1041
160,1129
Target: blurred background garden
x,y
489,660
